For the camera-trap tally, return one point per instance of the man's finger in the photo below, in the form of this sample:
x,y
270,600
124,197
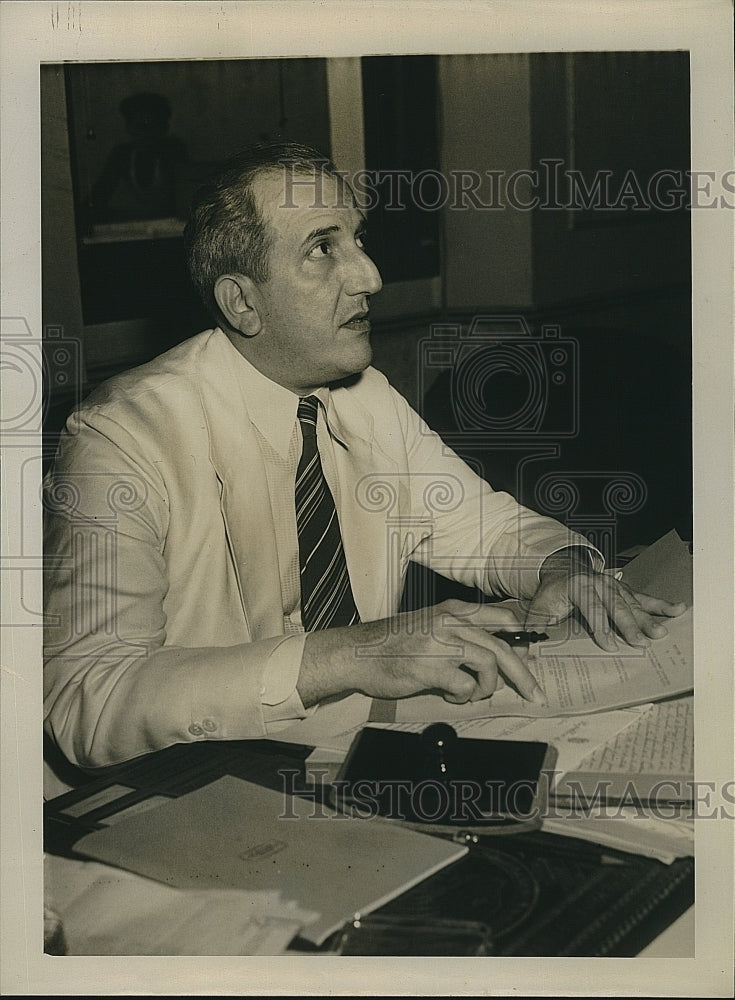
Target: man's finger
x,y
628,616
484,668
479,666
485,654
647,625
513,669
457,685
644,606
632,614
596,614
657,606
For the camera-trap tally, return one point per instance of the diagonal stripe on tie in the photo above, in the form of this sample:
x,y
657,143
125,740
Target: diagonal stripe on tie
x,y
326,593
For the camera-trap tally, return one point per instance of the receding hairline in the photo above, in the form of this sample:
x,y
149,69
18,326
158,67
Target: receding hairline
x,y
271,172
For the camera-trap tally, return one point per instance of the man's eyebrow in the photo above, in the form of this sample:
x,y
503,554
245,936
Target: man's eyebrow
x,y
317,233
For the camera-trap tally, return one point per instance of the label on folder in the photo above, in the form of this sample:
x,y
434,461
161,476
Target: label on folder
x,y
237,835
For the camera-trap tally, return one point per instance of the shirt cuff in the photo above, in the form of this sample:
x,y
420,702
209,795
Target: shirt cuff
x,y
597,560
280,701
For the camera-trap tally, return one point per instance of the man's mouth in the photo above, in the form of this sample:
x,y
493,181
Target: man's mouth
x,y
360,322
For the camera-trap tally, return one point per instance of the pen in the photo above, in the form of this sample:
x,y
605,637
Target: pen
x,y
521,637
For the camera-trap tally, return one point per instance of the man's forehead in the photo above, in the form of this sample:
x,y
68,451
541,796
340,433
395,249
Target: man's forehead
x,y
293,200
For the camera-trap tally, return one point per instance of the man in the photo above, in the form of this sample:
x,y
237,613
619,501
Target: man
x,y
230,525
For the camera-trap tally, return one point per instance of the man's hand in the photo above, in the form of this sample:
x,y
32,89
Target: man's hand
x,y
611,609
448,648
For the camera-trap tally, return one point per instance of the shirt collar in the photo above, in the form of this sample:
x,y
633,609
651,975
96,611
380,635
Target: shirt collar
x,y
272,407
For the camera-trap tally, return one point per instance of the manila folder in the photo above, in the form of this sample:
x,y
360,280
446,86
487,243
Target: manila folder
x,y
238,835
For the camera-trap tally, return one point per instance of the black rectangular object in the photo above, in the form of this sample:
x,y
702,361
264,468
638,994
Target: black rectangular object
x,y
467,783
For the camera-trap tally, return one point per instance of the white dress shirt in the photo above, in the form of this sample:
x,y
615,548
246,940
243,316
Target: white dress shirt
x,y
273,411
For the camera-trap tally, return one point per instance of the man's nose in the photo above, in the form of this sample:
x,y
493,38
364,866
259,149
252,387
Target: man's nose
x,y
364,277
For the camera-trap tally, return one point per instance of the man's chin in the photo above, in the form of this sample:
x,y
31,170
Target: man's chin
x,y
352,374
360,356
366,359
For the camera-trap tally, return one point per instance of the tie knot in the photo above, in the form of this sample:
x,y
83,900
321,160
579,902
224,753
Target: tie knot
x,y
307,411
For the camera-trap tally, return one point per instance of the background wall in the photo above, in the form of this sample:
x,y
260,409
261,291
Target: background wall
x,y
485,113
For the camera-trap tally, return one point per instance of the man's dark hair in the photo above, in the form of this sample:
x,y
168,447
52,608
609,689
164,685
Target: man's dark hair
x,y
226,232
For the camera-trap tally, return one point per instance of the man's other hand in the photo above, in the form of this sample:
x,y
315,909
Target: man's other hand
x,y
609,607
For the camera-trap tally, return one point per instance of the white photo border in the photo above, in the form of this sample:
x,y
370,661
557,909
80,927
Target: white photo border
x,y
32,33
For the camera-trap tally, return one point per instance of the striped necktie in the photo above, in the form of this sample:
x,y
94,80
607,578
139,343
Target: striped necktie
x,y
326,594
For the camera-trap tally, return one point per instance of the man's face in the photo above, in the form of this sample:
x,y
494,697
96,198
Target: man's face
x,y
314,306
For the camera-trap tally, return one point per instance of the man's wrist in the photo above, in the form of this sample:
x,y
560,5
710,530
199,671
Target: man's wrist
x,y
328,665
571,560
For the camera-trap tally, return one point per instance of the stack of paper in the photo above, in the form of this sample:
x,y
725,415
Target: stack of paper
x,y
634,792
578,677
107,911
628,828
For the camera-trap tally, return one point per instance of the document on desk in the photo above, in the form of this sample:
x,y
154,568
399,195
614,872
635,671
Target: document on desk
x,y
232,834
107,911
626,829
578,677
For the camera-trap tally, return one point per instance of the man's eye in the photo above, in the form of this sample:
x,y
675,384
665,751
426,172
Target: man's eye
x,y
322,249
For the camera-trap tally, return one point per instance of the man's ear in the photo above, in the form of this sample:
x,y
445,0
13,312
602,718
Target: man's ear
x,y
237,298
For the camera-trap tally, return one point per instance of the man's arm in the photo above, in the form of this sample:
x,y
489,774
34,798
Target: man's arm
x,y
116,686
113,687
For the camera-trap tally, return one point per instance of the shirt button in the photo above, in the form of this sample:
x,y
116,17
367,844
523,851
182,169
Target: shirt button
x,y
210,725
195,730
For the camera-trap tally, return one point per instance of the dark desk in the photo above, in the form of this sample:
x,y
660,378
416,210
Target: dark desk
x,y
539,894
